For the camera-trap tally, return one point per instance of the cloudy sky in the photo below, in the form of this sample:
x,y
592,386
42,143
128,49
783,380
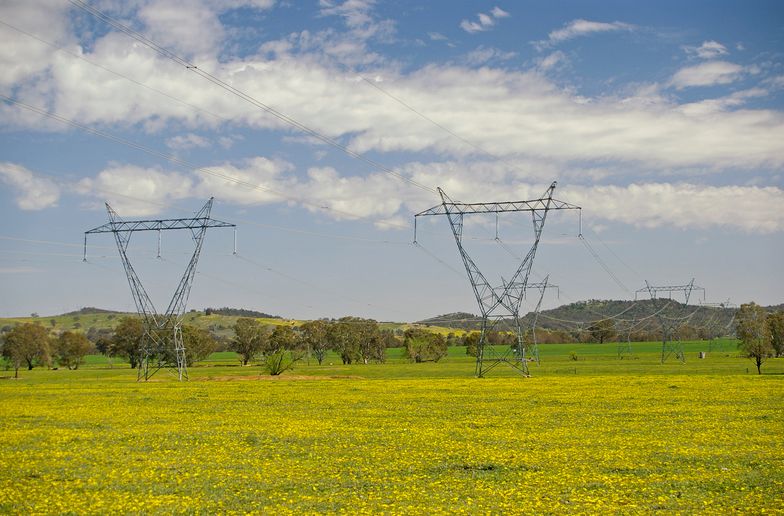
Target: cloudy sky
x,y
320,127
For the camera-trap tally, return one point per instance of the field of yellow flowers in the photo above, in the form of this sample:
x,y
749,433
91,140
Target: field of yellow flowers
x,y
691,444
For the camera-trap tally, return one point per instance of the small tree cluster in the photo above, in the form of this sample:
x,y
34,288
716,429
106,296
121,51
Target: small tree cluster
x,y
492,338
27,344
356,339
602,331
70,349
128,337
424,346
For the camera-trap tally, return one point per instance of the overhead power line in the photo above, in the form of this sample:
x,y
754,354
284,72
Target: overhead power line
x,y
113,72
174,159
168,54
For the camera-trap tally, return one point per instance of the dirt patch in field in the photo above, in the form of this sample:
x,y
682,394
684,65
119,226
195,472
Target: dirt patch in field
x,y
279,378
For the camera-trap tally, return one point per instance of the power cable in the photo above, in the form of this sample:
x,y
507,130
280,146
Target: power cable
x,y
117,74
601,262
241,94
309,284
169,157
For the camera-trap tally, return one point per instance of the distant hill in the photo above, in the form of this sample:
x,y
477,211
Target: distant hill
x,y
577,317
89,310
240,312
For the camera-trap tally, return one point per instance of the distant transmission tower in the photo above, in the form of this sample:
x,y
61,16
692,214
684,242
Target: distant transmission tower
x,y
501,302
671,344
714,328
533,347
162,344
625,347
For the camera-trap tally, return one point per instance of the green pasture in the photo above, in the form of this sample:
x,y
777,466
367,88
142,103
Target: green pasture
x,y
721,358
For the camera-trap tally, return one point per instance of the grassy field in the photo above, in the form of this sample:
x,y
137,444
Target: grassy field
x,y
592,435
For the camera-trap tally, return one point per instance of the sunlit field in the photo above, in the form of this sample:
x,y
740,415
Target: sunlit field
x,y
594,435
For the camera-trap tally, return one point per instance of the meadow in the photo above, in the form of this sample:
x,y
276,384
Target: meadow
x,y
594,435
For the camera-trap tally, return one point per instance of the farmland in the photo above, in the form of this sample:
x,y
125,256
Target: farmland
x,y
595,434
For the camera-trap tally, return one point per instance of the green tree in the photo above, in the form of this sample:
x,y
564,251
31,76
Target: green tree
x,y
752,328
602,331
776,329
28,344
198,343
280,353
249,339
70,349
471,342
424,346
341,341
127,340
370,342
313,336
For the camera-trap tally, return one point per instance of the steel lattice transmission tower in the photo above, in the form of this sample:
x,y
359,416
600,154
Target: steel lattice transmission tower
x,y
162,344
671,344
503,301
625,346
714,328
533,345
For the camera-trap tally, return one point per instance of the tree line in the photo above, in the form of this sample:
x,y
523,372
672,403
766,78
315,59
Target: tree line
x,y
355,340
29,345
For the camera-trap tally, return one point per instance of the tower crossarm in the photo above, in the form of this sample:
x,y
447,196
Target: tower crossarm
x,y
653,291
542,204
159,225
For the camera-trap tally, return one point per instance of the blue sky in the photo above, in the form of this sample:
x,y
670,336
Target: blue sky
x,y
664,123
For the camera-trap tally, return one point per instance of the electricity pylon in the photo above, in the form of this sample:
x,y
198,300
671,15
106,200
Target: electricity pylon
x,y
162,343
501,302
625,347
714,328
671,344
533,351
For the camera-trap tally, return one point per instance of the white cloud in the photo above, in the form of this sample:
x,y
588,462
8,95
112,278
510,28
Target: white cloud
x,y
578,28
436,36
191,27
736,99
708,50
497,12
747,208
255,181
186,26
359,18
137,191
187,141
485,21
483,55
707,74
20,56
494,108
516,115
32,192
552,60
389,202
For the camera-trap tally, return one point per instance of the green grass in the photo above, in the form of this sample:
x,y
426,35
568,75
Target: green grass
x,y
555,360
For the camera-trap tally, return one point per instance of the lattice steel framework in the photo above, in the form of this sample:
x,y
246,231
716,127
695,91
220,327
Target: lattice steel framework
x,y
533,346
501,302
713,326
625,347
162,344
671,344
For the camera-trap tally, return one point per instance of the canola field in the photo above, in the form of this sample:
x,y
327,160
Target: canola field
x,y
302,444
